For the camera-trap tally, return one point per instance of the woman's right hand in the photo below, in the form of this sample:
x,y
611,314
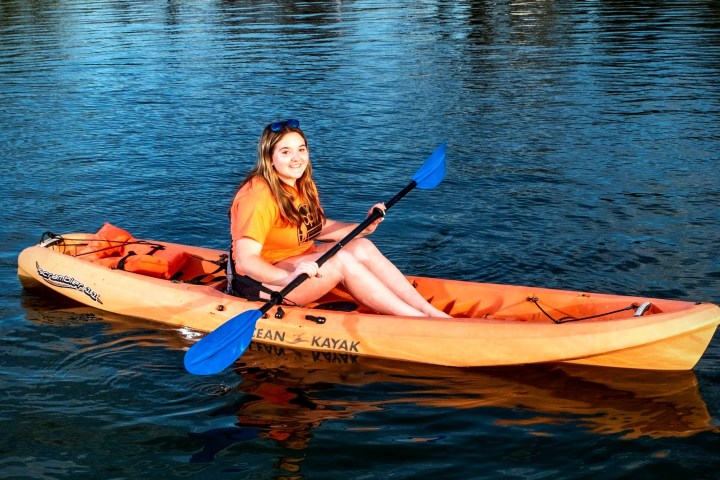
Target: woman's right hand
x,y
310,268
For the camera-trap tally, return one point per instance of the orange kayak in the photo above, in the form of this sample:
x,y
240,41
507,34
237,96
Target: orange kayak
x,y
492,325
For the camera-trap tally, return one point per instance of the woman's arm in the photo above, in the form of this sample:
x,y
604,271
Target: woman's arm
x,y
248,261
335,231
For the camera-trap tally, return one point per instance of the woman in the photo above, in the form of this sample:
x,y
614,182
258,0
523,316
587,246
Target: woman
x,y
275,220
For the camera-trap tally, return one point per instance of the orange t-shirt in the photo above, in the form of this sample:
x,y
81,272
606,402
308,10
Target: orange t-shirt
x,y
255,214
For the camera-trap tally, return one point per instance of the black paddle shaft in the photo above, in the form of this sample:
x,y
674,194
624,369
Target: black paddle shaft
x,y
277,297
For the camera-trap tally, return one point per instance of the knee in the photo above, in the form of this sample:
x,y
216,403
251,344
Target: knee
x,y
344,262
361,249
333,268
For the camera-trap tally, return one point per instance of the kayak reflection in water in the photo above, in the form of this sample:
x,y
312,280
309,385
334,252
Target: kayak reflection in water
x,y
275,220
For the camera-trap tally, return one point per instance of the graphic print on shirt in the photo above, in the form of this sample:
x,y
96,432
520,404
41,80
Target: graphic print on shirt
x,y
311,226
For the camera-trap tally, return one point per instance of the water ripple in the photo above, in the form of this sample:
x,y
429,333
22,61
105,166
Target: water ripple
x,y
582,153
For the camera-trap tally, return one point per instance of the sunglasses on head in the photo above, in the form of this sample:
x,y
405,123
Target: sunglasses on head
x,y
277,126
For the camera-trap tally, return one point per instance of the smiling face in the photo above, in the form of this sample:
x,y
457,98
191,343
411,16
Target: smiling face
x,y
290,158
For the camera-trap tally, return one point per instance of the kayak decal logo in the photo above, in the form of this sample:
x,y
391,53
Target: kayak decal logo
x,y
335,344
268,334
66,281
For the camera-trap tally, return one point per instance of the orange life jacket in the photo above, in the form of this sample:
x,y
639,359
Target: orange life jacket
x,y
154,260
107,242
115,248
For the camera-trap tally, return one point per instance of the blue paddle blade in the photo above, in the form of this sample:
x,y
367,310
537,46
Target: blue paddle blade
x,y
432,171
220,348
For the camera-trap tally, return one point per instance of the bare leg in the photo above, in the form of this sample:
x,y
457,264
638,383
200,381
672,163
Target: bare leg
x,y
384,270
360,282
370,277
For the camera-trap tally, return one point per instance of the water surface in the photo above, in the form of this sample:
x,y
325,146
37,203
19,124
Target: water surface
x,y
583,142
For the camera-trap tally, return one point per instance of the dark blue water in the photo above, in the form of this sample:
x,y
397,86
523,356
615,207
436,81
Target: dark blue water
x,y
583,147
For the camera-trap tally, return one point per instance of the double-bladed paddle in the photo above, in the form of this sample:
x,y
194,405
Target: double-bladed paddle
x,y
221,347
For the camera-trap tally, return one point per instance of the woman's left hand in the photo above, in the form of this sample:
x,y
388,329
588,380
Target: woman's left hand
x,y
371,228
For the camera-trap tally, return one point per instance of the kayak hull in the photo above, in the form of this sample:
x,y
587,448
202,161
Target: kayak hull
x,y
494,324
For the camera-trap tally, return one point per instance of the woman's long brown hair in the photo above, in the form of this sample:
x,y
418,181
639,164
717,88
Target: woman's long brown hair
x,y
284,198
